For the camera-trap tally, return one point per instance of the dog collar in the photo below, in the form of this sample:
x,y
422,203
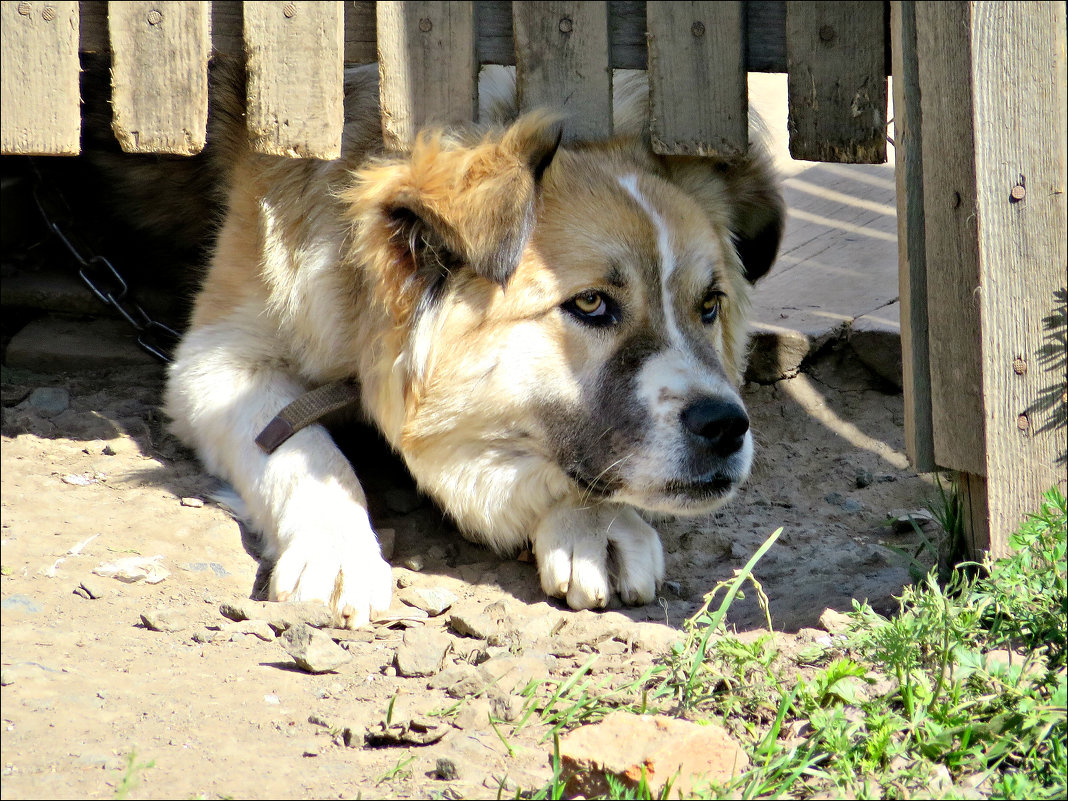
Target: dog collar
x,y
307,409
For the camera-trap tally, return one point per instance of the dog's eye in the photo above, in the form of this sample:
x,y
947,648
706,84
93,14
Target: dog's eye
x,y
710,306
593,308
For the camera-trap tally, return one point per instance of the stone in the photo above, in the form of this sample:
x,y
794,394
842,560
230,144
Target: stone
x,y
422,652
834,498
623,744
133,569
164,620
432,600
280,616
474,714
864,478
312,650
255,628
510,674
834,622
446,769
473,622
49,401
852,505
193,503
52,344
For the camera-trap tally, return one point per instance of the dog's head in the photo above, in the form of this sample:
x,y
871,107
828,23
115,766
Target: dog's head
x,y
577,316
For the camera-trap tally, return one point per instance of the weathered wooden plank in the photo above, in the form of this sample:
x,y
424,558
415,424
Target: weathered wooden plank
x,y
39,79
697,82
951,236
159,75
295,71
562,62
1021,167
428,72
837,84
912,259
360,36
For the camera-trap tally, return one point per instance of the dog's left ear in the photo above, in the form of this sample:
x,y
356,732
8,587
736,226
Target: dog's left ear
x,y
746,189
452,205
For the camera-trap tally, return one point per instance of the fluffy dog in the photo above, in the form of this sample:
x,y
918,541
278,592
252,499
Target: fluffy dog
x,y
550,337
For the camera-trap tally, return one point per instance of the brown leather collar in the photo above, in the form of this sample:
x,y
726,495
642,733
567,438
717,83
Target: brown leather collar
x,y
307,409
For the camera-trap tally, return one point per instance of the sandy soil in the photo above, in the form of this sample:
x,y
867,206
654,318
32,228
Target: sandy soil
x,y
219,712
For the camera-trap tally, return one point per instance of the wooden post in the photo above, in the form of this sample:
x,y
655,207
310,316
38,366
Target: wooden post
x,y
295,75
39,79
994,171
837,81
159,75
427,67
912,259
697,81
562,61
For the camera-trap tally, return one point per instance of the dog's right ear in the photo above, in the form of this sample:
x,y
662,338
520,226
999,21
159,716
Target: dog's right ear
x,y
449,206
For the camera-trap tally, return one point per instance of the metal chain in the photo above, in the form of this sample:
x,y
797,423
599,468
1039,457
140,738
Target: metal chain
x,y
99,274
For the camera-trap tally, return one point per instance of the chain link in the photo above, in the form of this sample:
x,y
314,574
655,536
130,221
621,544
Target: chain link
x,y
99,274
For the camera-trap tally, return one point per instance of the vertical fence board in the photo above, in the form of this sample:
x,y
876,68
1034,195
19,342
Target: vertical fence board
x,y
295,93
159,52
427,66
837,81
912,259
951,236
697,82
562,61
39,79
1020,165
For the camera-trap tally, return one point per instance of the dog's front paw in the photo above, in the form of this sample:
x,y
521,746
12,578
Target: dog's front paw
x,y
584,554
344,570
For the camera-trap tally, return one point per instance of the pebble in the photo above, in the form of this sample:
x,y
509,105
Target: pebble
x,y
387,538
312,650
834,622
133,569
90,589
834,498
422,652
460,681
446,769
164,620
432,600
255,628
193,503
472,622
852,505
414,562
280,616
49,401
864,478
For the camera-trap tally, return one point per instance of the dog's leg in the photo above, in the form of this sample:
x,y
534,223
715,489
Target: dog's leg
x,y
585,553
304,497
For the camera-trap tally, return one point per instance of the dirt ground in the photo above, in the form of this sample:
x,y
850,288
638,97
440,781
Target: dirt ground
x,y
210,708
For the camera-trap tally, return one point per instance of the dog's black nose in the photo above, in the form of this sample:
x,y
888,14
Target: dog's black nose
x,y
720,423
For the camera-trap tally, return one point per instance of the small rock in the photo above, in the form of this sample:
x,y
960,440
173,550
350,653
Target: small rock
x,y
311,749
280,616
474,714
255,628
674,587
505,707
422,652
446,769
623,744
460,681
739,551
7,676
204,636
312,650
835,622
852,505
834,498
49,401
414,562
474,623
864,478
164,620
432,600
91,589
903,522
134,569
78,481
513,673
193,503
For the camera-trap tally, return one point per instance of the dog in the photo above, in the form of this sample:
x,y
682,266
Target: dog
x,y
551,336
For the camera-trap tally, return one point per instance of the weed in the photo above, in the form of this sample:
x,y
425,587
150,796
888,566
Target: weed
x,y
131,775
398,771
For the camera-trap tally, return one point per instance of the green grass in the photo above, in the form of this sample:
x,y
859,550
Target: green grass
x,y
961,694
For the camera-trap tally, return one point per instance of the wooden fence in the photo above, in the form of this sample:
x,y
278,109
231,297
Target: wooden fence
x,y
980,134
